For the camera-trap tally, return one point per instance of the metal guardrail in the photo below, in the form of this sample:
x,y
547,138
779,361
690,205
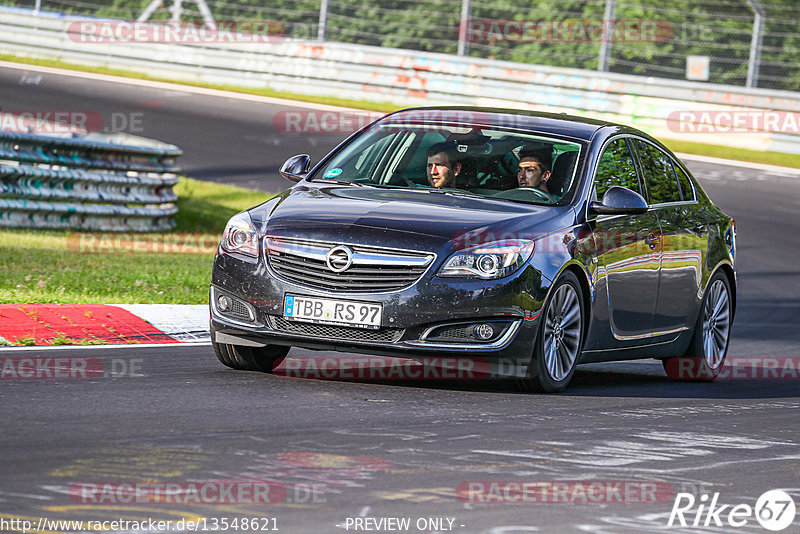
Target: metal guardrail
x,y
87,182
413,78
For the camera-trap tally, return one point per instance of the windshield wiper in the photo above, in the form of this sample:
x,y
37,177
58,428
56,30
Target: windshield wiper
x,y
456,193
347,182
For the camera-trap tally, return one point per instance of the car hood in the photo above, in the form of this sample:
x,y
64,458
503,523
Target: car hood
x,y
395,216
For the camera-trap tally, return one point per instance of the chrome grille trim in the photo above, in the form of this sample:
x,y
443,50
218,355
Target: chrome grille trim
x,y
372,269
324,331
496,344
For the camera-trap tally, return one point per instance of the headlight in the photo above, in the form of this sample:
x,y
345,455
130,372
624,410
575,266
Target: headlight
x,y
240,236
490,260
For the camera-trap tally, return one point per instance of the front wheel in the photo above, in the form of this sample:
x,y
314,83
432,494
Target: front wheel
x,y
705,357
242,358
560,338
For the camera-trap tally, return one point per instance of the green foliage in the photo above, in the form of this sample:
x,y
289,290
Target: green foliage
x,y
720,29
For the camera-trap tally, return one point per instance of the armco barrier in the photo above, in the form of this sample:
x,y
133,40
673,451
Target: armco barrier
x,y
412,78
90,182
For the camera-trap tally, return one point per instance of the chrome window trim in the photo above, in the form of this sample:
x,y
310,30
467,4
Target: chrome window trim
x,y
673,204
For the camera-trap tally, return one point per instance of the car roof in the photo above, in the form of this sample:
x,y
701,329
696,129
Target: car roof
x,y
555,123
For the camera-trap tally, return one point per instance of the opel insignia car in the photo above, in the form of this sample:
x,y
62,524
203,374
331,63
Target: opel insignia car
x,y
621,256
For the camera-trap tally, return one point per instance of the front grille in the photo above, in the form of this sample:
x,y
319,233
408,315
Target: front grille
x,y
371,269
383,335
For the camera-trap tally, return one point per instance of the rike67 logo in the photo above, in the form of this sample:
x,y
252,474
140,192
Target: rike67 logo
x,y
775,510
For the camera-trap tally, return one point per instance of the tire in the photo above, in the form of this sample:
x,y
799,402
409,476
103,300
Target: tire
x,y
705,357
560,338
242,358
221,351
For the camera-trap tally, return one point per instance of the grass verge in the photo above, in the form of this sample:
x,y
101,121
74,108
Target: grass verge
x,y
53,266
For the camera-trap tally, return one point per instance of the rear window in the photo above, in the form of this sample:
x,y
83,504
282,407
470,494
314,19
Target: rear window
x,y
685,183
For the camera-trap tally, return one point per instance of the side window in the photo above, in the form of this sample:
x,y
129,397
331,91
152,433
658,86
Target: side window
x,y
616,168
659,175
687,191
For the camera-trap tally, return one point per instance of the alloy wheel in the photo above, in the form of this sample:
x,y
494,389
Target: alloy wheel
x,y
716,324
562,332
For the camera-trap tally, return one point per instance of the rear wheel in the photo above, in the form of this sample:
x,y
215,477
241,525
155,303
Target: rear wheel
x,y
263,359
560,338
705,356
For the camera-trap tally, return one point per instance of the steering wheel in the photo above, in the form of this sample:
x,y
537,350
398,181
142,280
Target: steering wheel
x,y
544,196
514,194
408,181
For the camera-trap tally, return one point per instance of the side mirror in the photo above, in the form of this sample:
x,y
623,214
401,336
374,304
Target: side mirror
x,y
619,201
296,167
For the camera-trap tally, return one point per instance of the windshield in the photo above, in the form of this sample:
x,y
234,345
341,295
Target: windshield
x,y
460,159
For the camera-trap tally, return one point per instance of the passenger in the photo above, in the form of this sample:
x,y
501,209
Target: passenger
x,y
534,168
443,165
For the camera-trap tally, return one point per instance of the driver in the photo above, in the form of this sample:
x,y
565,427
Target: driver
x,y
443,165
534,168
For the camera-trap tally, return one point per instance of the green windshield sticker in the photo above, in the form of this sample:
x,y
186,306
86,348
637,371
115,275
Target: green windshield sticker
x,y
333,173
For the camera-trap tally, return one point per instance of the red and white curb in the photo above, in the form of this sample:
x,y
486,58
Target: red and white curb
x,y
102,324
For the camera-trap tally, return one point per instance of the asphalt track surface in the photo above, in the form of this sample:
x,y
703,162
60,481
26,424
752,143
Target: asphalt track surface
x,y
379,449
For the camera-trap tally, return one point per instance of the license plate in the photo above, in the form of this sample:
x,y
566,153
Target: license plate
x,y
333,311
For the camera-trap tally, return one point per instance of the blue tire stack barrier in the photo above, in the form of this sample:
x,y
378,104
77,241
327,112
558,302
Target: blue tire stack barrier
x,y
87,182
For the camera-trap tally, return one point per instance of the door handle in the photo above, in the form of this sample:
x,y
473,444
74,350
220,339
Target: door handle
x,y
699,229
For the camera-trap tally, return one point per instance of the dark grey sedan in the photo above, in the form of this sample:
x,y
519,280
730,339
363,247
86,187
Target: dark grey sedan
x,y
529,242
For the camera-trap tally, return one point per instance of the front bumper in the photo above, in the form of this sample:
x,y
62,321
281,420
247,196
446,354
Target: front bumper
x,y
430,319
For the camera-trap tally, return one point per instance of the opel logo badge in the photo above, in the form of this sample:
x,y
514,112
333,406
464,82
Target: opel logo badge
x,y
339,258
